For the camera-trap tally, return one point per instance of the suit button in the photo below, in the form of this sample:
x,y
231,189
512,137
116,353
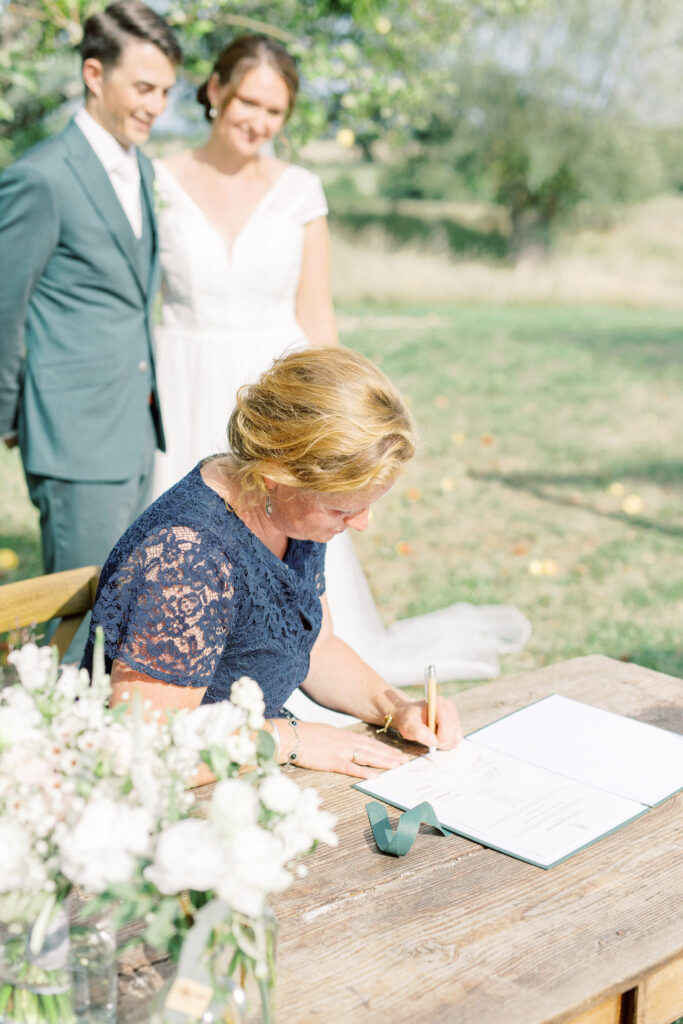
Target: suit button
x,y
143,366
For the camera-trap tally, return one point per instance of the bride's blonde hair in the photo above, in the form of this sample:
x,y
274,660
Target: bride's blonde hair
x,y
325,420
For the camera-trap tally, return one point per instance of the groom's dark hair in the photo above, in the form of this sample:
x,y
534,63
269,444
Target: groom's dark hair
x,y
106,34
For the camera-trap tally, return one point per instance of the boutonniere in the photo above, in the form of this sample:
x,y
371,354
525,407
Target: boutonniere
x,y
159,204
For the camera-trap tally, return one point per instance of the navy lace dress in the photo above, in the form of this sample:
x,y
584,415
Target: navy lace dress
x,y
191,596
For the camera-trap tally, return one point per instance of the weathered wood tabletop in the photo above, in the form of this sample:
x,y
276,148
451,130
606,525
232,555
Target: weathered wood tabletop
x,y
454,933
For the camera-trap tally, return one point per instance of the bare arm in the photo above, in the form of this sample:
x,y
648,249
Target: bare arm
x,y
126,683
340,679
314,310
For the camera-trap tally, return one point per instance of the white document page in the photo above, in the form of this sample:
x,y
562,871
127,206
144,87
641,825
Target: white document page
x,y
505,803
617,754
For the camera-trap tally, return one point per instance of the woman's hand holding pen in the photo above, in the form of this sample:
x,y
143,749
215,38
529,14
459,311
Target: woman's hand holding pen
x,y
409,718
328,749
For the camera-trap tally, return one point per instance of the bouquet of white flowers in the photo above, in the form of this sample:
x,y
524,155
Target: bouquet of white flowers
x,y
98,798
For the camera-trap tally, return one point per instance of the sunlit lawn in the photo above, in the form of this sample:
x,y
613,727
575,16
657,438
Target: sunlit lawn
x,y
550,474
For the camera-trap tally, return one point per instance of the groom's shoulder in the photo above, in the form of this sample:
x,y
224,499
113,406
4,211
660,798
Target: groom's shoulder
x,y
41,160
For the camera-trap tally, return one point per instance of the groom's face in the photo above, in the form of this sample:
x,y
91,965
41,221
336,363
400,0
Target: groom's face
x,y
127,97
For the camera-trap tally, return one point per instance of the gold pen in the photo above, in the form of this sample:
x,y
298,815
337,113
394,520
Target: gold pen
x,y
430,697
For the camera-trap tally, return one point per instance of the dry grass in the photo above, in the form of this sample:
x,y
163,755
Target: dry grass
x,y
638,262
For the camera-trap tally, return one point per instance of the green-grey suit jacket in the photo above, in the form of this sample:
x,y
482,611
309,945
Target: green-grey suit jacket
x,y
76,350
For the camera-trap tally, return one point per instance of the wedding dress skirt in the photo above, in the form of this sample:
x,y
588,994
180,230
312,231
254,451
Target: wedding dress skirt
x,y
226,314
462,641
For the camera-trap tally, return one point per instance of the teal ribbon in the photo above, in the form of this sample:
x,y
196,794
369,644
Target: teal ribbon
x,y
398,843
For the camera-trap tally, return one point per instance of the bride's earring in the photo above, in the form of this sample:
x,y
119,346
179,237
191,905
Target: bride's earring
x,y
269,506
212,113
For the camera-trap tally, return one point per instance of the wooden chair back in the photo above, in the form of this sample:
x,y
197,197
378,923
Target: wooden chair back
x,y
68,596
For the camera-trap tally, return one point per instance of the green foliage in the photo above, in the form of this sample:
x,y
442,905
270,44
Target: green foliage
x,y
368,65
418,177
543,118
439,233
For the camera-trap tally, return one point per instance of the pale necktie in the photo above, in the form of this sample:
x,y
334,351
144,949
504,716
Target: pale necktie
x,y
125,178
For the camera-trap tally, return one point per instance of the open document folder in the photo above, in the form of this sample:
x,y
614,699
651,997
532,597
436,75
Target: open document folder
x,y
543,782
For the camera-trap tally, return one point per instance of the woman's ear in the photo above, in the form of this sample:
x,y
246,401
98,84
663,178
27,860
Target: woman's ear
x,y
213,88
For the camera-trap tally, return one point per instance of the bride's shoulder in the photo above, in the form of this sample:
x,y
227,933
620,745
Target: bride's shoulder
x,y
298,179
275,168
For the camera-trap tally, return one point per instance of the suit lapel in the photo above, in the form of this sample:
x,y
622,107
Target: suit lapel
x,y
147,195
96,184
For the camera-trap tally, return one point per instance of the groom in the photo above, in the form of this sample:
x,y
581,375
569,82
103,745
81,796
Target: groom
x,y
79,266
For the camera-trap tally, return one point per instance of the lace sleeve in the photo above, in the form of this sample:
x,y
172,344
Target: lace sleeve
x,y
166,608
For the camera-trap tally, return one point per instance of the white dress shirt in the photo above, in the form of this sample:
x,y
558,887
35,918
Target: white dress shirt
x,y
120,164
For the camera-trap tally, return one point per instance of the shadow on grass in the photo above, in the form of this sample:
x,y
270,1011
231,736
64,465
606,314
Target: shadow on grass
x,y
662,473
669,661
648,345
402,229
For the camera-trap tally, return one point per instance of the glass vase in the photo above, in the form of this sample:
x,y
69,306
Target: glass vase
x,y
183,1000
53,974
226,972
94,971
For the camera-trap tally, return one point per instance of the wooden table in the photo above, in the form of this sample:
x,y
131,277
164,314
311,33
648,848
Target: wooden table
x,y
454,933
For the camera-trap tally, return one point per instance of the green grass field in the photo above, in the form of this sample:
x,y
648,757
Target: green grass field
x,y
550,474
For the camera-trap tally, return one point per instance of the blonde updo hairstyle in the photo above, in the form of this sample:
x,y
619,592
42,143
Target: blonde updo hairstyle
x,y
324,420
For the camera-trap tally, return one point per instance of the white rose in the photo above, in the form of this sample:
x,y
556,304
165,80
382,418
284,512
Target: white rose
x,y
72,682
279,793
147,784
241,749
91,713
103,847
35,771
245,693
19,725
252,870
306,824
117,745
187,856
33,665
15,843
234,806
207,726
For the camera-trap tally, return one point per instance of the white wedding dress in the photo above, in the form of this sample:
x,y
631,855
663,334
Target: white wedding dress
x,y
226,314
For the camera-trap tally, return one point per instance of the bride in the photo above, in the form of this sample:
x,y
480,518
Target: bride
x,y
245,258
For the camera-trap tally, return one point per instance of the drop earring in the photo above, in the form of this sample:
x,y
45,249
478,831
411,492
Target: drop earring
x,y
212,113
269,506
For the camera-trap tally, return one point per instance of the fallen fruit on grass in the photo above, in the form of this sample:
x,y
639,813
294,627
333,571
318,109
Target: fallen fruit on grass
x,y
632,504
9,560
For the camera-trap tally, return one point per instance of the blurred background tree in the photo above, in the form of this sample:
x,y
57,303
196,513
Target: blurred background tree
x,y
371,67
550,109
573,104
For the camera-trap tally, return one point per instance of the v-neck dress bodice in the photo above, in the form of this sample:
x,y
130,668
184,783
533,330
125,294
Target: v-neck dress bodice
x,y
227,310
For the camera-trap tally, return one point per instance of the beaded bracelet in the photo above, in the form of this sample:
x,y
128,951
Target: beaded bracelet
x,y
294,722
